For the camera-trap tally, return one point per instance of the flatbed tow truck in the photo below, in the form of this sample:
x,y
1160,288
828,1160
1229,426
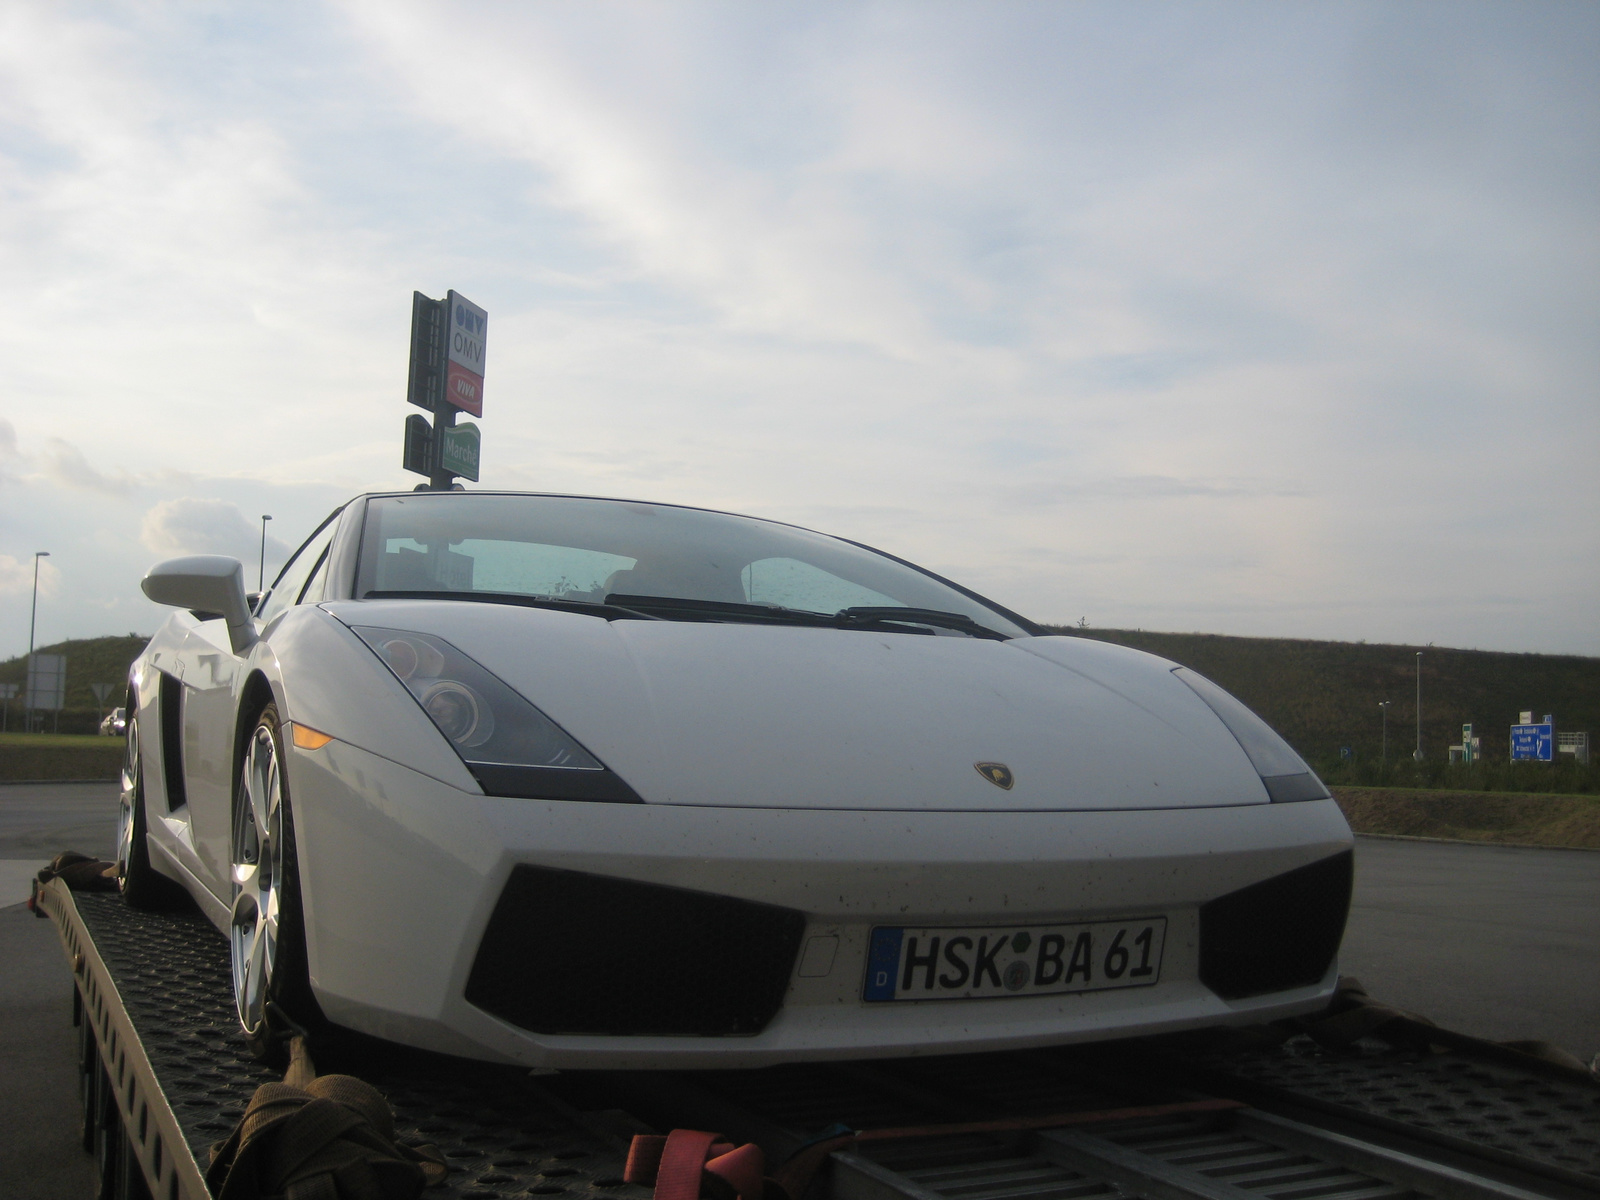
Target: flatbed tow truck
x,y
164,1074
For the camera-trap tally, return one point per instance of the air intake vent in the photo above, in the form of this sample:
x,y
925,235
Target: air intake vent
x,y
1277,934
169,693
572,953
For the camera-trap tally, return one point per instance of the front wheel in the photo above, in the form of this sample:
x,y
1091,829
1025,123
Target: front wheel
x,y
267,932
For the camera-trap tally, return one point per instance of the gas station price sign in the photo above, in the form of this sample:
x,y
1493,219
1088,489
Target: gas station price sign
x,y
448,340
467,330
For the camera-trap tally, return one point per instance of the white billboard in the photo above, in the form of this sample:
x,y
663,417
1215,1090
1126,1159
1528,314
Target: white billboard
x,y
47,682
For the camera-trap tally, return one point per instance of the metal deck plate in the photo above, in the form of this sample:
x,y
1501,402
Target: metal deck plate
x,y
499,1134
1522,1116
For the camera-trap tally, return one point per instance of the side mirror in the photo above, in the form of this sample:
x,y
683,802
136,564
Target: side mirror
x,y
207,583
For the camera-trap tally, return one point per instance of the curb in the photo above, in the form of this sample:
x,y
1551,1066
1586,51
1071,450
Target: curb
x,y
1406,837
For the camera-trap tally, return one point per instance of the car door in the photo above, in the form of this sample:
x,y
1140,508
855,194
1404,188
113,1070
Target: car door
x,y
213,676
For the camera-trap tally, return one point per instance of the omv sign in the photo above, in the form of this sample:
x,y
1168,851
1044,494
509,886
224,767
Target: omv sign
x,y
468,334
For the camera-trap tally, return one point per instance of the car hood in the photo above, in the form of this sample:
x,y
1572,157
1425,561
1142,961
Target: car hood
x,y
772,716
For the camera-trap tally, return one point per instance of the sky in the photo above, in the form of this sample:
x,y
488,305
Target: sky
x,y
1259,319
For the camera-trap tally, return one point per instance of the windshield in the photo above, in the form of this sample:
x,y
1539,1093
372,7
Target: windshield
x,y
586,551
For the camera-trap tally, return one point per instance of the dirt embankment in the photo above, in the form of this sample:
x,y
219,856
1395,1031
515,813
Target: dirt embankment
x,y
1521,817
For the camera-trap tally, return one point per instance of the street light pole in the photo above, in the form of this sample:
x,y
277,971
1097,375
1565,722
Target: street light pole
x,y
33,620
1384,706
261,567
1418,754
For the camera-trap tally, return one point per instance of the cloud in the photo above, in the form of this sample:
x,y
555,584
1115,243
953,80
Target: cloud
x,y
9,455
1148,487
66,464
190,525
16,575
1072,301
779,245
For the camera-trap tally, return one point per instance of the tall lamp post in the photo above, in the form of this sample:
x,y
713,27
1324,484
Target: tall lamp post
x,y
1384,706
33,621
1418,754
261,567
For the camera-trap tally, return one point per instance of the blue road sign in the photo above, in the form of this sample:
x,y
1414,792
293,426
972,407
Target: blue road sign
x,y
1536,743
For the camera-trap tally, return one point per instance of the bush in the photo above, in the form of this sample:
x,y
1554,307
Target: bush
x,y
1565,777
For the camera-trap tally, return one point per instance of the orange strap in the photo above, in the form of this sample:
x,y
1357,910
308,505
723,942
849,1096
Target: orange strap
x,y
680,1163
682,1160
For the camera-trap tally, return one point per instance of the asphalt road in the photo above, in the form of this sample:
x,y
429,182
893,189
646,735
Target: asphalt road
x,y
37,820
41,1157
1498,942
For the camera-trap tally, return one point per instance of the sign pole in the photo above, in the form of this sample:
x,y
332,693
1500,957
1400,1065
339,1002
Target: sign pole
x,y
444,417
1418,754
33,619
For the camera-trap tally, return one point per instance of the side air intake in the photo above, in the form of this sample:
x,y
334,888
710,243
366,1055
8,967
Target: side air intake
x,y
567,952
1278,934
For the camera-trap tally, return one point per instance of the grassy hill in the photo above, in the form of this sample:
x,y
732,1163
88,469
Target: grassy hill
x,y
1323,696
89,660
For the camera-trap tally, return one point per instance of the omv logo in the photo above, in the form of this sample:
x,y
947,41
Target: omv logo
x,y
470,321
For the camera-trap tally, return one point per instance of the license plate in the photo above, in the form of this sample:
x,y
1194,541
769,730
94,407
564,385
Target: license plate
x,y
1001,961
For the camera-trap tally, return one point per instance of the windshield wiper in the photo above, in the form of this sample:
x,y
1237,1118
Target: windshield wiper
x,y
592,608
867,614
845,618
713,609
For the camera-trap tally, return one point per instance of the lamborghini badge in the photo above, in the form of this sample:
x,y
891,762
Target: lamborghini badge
x,y
996,773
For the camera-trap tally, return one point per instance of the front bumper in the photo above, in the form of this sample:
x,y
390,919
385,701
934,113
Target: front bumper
x,y
402,874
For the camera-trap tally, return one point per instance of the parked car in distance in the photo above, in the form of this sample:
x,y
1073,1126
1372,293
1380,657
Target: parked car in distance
x,y
114,724
574,782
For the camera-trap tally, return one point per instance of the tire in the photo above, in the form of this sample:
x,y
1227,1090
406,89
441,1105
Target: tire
x,y
266,933
141,885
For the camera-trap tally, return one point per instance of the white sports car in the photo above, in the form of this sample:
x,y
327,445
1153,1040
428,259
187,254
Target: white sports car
x,y
573,782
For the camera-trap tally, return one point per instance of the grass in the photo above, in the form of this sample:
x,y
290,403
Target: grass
x,y
92,741
1538,819
35,756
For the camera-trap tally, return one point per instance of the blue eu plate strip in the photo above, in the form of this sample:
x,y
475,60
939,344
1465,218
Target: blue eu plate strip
x,y
883,960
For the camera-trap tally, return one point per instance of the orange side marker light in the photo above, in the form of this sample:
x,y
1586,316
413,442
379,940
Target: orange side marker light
x,y
307,738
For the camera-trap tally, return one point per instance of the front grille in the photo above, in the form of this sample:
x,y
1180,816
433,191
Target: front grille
x,y
567,952
1277,934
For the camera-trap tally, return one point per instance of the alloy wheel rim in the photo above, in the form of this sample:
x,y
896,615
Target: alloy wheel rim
x,y
257,870
126,801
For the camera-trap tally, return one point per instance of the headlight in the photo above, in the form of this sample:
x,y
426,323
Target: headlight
x,y
509,745
461,714
1284,772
